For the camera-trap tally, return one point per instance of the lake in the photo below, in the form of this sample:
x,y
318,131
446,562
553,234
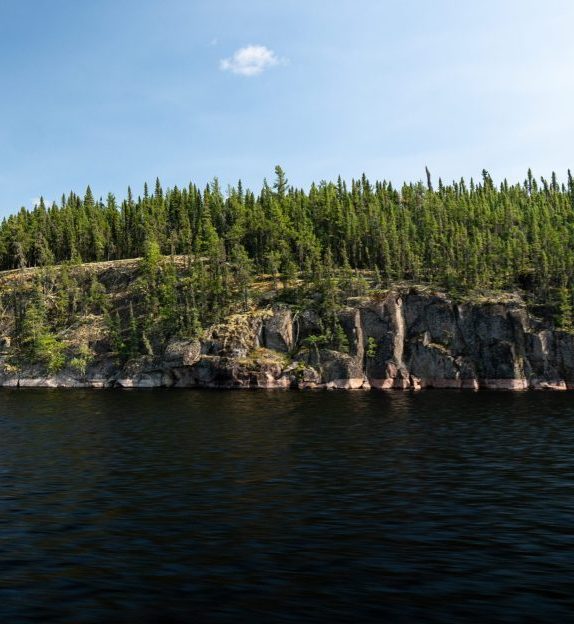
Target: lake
x,y
284,506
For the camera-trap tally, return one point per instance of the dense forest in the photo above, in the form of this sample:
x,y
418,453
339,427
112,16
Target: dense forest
x,y
202,250
467,235
458,236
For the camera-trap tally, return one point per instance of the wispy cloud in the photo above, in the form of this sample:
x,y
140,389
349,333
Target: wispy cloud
x,y
251,60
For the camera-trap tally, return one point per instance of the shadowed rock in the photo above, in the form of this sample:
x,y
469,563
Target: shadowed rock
x,y
408,339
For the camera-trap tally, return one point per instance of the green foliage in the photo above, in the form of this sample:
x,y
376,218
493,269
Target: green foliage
x,y
565,318
36,342
371,350
340,340
81,360
331,242
132,348
49,351
242,272
461,235
152,258
315,342
114,330
96,299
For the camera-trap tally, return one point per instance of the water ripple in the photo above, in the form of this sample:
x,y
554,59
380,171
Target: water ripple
x,y
285,507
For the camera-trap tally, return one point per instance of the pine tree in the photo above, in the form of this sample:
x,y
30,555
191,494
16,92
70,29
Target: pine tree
x,y
565,318
280,184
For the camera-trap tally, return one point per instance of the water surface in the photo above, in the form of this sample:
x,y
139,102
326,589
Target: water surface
x,y
200,506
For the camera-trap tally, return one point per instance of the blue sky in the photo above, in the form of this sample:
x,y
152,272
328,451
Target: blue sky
x,y
112,93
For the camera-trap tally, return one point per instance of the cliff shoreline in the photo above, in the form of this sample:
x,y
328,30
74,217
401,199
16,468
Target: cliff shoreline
x,y
410,339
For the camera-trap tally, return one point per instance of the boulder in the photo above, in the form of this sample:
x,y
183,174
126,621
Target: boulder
x,y
179,352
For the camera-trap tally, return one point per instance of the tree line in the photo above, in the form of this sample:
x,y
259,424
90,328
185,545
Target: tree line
x,y
458,235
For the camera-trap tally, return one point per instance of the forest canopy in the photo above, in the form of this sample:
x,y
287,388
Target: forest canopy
x,y
467,235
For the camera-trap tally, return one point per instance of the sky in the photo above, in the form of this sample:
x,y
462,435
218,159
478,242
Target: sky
x,y
113,93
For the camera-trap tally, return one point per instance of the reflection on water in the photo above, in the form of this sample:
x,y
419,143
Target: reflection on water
x,y
285,507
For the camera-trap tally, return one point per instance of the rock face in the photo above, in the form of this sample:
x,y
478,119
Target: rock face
x,y
407,340
278,330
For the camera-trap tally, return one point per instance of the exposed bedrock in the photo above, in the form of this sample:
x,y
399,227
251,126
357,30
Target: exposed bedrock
x,y
407,340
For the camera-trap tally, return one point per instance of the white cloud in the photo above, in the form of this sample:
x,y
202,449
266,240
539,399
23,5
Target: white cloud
x,y
251,60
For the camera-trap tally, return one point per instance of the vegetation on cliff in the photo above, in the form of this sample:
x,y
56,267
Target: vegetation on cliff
x,y
174,262
63,314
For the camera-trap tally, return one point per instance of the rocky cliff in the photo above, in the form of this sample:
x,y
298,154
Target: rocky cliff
x,y
407,339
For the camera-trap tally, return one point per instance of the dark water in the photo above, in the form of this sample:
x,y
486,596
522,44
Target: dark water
x,y
168,506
